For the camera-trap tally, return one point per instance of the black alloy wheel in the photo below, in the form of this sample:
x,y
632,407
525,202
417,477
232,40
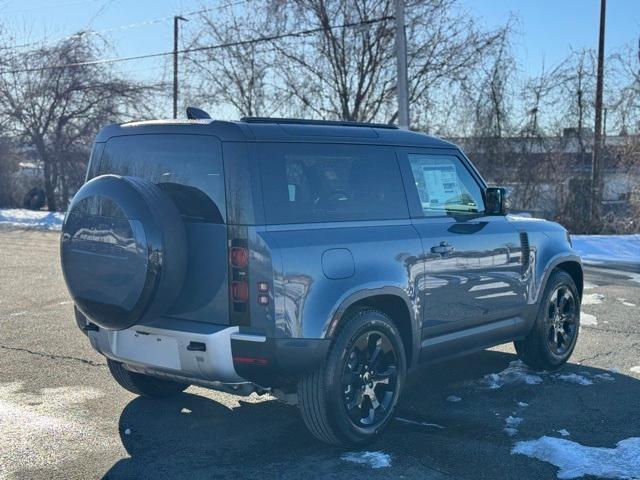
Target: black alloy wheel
x,y
370,379
562,315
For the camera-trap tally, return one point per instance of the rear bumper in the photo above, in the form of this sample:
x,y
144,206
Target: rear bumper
x,y
214,356
271,362
201,356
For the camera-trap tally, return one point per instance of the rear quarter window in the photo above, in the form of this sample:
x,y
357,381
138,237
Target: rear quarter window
x,y
187,167
307,183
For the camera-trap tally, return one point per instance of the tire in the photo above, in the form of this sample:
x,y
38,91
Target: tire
x,y
539,349
124,251
323,397
144,385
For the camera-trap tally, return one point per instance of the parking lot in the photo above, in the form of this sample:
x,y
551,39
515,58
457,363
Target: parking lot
x,y
62,416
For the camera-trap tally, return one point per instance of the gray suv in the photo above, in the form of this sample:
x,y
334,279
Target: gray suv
x,y
317,261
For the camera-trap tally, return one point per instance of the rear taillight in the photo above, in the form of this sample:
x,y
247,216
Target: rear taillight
x,y
240,291
239,257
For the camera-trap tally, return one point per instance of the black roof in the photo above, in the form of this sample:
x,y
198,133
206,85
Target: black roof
x,y
258,129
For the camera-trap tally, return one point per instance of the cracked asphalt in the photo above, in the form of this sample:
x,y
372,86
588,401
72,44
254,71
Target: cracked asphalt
x,y
62,416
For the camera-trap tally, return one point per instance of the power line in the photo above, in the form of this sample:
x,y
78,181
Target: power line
x,y
124,27
267,38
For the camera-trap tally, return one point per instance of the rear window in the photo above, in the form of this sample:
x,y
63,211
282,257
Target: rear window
x,y
304,183
187,167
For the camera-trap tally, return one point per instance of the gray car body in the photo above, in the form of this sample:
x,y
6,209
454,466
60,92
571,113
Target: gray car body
x,y
484,291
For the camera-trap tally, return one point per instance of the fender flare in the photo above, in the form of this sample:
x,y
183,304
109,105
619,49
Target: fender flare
x,y
353,297
553,262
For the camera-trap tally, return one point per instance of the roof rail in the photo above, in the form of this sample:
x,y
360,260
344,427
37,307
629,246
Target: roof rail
x,y
300,121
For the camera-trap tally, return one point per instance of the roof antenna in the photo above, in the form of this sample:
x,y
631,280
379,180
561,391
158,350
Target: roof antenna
x,y
194,113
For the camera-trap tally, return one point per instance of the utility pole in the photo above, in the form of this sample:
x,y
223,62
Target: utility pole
x,y
176,19
596,162
402,86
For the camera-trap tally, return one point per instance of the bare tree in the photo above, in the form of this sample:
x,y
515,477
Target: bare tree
x,y
335,59
240,74
55,99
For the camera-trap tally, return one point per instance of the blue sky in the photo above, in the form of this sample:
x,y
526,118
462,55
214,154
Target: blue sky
x,y
547,29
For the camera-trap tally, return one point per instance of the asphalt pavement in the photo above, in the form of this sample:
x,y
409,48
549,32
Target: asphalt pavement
x,y
63,417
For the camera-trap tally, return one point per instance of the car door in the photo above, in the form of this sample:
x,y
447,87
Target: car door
x,y
473,275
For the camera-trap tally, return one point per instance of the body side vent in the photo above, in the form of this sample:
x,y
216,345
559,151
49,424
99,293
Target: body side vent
x,y
526,251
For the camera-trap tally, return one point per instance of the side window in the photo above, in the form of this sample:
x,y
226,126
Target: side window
x,y
444,185
305,183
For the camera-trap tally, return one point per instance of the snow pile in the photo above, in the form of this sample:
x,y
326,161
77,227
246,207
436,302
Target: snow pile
x,y
598,249
516,373
592,299
373,459
587,320
511,424
575,460
17,217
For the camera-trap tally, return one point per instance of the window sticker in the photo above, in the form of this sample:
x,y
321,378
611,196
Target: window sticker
x,y
441,185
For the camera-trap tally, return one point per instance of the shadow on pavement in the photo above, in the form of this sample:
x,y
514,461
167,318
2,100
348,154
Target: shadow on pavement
x,y
195,437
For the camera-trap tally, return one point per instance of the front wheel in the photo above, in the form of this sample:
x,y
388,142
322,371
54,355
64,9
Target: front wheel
x,y
351,397
555,332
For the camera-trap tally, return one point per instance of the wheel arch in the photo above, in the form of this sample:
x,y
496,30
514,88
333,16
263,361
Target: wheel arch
x,y
574,269
567,263
392,301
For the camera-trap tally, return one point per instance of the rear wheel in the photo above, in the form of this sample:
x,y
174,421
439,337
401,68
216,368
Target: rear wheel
x,y
351,397
144,385
555,333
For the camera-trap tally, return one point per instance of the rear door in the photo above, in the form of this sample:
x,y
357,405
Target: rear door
x,y
472,262
189,169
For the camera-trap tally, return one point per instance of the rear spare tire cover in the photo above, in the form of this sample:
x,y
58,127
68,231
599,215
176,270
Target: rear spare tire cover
x,y
123,251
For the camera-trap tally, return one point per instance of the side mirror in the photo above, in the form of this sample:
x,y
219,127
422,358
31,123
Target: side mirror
x,y
496,201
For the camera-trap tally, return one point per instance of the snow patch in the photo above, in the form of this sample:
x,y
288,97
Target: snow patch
x,y
586,319
513,421
373,459
575,460
592,299
635,369
127,431
634,277
589,286
18,217
604,376
523,404
512,432
626,303
516,373
574,378
607,248
563,432
453,398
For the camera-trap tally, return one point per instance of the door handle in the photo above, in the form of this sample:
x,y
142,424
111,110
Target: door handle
x,y
443,249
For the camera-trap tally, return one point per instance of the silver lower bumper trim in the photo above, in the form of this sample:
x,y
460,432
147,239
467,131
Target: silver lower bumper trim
x,y
161,352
